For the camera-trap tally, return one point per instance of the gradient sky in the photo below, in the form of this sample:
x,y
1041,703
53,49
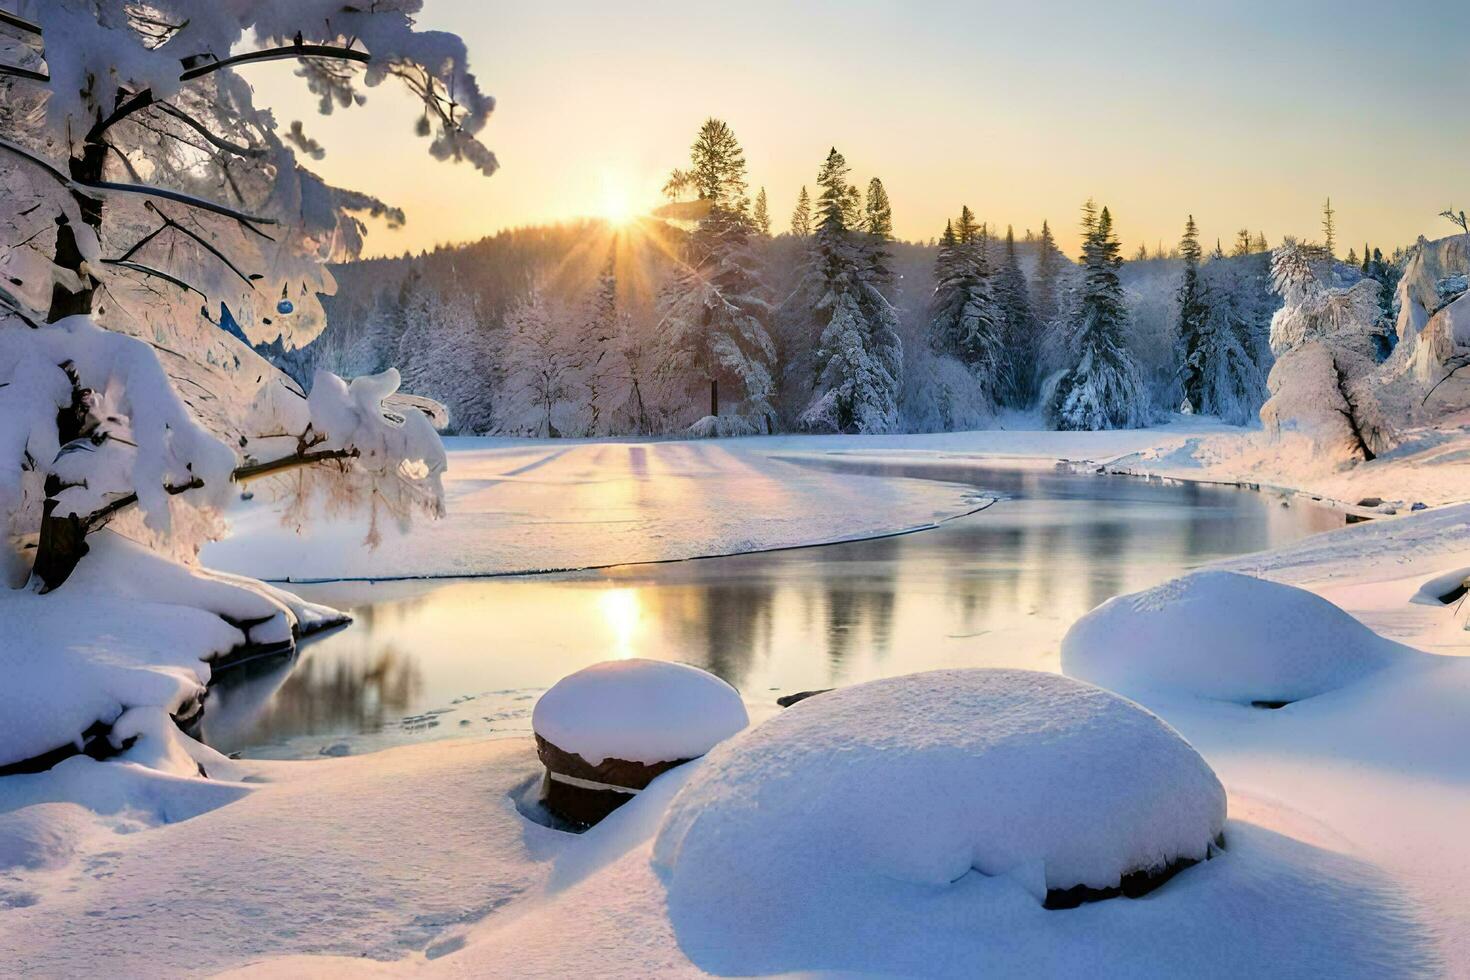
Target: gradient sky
x,y
1245,113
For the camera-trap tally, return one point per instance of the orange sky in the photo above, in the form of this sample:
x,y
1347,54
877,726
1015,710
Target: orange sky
x,y
1249,115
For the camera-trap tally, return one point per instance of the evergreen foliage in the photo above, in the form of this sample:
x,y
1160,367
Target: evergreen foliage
x,y
1191,328
1102,389
801,218
858,363
965,321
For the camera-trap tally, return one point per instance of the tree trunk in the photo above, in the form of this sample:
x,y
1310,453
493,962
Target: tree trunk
x,y
65,302
714,397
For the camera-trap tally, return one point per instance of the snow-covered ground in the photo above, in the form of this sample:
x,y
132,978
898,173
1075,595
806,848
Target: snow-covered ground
x,y
519,505
1346,853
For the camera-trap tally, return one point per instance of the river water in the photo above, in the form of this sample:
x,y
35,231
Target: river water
x,y
998,588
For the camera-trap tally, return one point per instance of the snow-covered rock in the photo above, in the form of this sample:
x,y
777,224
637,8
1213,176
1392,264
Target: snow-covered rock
x,y
129,629
1225,636
637,710
857,805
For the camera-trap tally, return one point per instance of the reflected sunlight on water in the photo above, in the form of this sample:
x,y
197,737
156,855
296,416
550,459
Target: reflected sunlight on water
x,y
468,657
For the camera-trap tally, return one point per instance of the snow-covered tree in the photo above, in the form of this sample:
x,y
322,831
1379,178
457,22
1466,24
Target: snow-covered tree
x,y
965,321
714,317
543,392
1326,339
1102,388
446,353
1012,295
858,364
1191,324
147,195
877,227
1231,382
1046,286
801,217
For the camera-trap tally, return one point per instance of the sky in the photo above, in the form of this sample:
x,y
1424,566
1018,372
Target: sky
x,y
1241,113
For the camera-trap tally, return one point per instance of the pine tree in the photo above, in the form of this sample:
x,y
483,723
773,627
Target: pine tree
x,y
1366,258
1352,258
762,215
1329,229
1049,261
859,359
1231,384
852,208
965,321
717,170
1018,378
877,226
1259,244
714,334
801,218
1194,312
1242,243
1102,389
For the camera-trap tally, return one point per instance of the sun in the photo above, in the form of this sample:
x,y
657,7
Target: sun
x,y
616,204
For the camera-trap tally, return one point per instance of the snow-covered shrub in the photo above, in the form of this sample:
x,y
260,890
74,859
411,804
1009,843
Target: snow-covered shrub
x,y
725,427
1225,636
948,790
940,394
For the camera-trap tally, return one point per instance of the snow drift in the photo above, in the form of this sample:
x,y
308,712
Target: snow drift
x,y
860,805
1225,636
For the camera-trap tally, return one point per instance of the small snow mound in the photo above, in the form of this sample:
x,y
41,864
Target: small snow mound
x,y
643,711
1226,636
925,788
41,836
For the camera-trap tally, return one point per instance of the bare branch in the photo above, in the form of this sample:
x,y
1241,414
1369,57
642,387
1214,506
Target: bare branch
x,y
194,69
256,471
132,104
171,223
176,196
22,152
198,127
19,23
155,273
35,76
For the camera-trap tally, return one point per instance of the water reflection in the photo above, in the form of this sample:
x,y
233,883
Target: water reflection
x,y
996,589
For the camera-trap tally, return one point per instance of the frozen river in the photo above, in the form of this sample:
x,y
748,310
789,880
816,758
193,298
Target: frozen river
x,y
999,588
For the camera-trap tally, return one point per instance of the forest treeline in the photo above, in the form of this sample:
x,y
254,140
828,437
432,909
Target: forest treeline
x,y
705,320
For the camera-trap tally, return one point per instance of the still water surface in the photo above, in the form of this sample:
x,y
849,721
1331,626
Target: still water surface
x,y
999,588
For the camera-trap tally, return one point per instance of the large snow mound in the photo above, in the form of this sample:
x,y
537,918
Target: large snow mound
x,y
644,711
1226,636
853,805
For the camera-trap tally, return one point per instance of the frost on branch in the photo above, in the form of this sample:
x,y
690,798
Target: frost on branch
x,y
1324,386
370,456
88,419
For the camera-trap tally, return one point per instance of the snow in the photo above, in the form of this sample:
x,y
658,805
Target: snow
x,y
520,505
814,818
130,629
1227,636
1345,847
644,711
